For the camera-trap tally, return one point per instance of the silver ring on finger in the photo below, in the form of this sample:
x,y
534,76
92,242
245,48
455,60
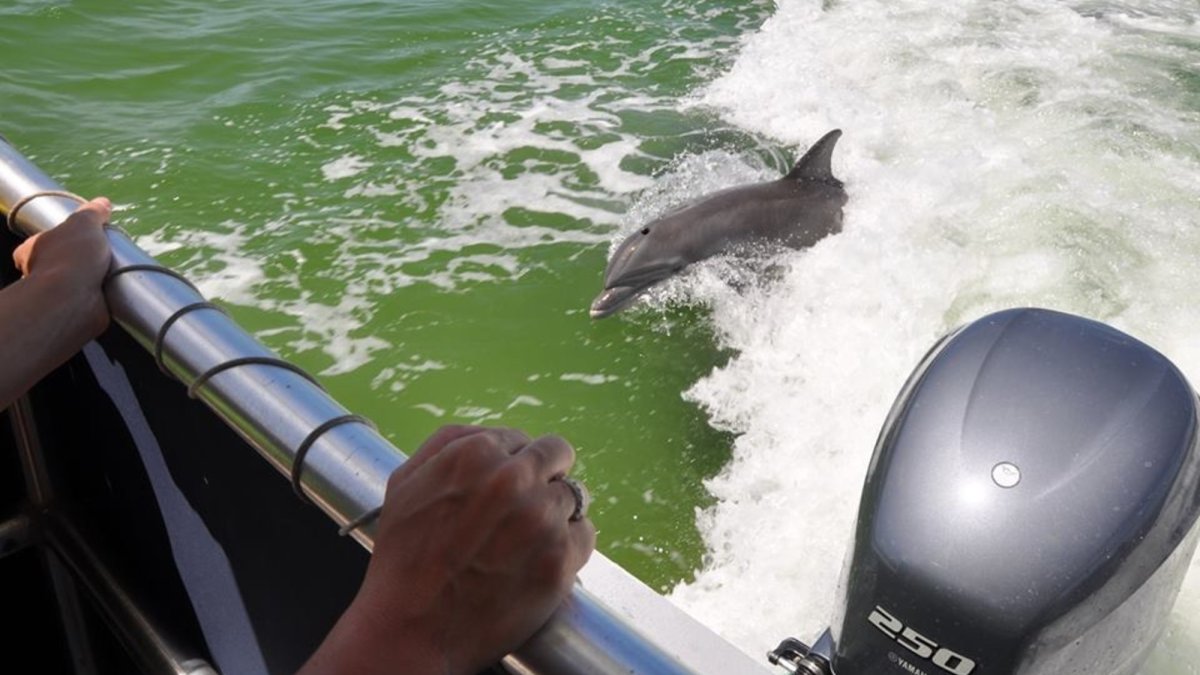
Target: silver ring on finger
x,y
582,498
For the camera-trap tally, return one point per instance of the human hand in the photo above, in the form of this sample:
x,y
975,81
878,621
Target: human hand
x,y
473,553
73,259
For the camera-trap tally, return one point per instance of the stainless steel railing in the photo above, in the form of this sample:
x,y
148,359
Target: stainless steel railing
x,y
346,467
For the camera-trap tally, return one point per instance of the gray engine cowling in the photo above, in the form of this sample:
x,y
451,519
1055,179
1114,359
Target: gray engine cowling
x,y
1029,508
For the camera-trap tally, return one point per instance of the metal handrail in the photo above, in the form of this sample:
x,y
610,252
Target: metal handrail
x,y
346,468
14,534
153,648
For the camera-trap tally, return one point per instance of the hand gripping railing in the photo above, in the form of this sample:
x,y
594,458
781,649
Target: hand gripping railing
x,y
279,411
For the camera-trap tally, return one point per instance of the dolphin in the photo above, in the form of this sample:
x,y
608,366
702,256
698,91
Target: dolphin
x,y
796,211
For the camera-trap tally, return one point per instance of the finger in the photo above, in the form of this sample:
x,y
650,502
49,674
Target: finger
x,y
515,440
22,254
94,212
502,439
453,438
581,542
565,500
484,450
561,498
434,445
440,439
551,455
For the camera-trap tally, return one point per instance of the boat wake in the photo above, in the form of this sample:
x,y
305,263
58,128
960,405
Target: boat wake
x,y
996,155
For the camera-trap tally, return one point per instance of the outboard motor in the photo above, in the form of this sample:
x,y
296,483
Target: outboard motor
x,y
1029,509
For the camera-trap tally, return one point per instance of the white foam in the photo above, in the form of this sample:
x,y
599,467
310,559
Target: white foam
x,y
225,266
997,155
588,378
521,147
344,167
531,125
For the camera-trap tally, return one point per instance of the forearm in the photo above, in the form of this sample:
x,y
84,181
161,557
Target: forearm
x,y
43,321
359,645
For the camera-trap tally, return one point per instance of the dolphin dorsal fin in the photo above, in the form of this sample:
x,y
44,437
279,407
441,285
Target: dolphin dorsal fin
x,y
814,165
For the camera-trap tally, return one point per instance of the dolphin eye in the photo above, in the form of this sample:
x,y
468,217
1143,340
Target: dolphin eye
x,y
645,230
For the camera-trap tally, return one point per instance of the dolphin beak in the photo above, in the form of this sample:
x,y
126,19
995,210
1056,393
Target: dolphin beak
x,y
612,300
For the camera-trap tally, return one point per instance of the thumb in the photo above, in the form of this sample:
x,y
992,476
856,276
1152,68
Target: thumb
x,y
23,253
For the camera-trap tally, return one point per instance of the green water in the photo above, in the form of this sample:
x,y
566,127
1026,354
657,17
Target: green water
x,y
446,277
415,201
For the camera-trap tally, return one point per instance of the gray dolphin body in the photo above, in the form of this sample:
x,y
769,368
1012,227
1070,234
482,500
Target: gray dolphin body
x,y
796,211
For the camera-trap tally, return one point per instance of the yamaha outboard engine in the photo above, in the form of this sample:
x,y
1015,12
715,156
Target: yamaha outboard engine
x,y
1029,509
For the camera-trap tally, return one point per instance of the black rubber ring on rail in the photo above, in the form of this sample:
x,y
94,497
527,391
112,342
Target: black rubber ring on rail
x,y
145,267
310,439
360,521
204,377
161,337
